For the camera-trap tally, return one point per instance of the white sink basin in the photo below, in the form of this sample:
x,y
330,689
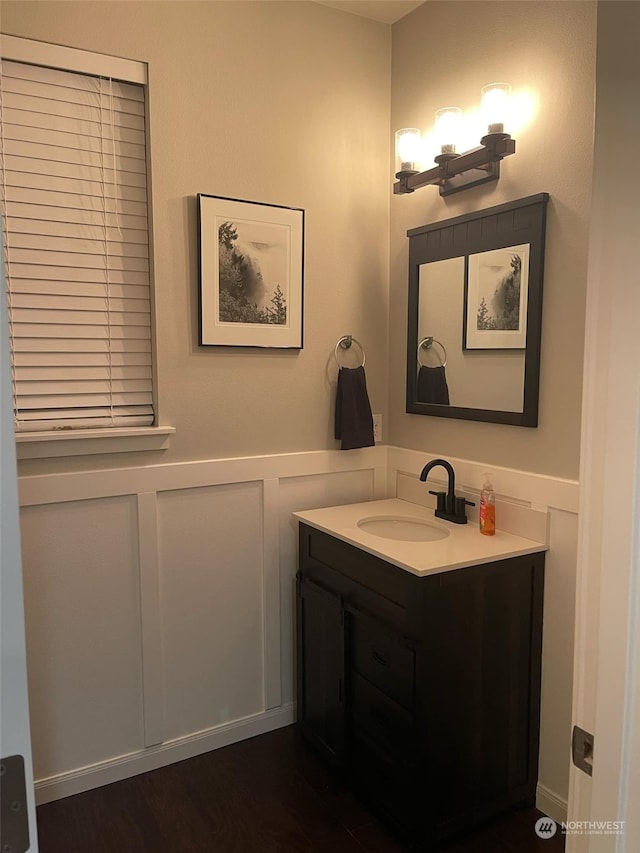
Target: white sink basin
x,y
403,528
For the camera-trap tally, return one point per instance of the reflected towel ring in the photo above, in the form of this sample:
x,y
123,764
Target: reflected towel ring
x,y
345,343
427,343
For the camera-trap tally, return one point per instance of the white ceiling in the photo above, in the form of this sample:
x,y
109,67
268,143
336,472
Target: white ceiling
x,y
386,11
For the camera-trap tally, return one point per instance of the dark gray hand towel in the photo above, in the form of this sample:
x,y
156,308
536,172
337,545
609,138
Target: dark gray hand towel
x,y
432,386
354,421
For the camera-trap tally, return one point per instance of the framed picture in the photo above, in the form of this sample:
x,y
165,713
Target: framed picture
x,y
496,290
251,273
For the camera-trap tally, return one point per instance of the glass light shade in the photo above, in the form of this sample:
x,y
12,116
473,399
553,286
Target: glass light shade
x,y
495,106
408,143
448,123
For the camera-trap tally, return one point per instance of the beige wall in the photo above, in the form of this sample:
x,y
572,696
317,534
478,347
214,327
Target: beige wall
x,y
277,102
288,102
443,53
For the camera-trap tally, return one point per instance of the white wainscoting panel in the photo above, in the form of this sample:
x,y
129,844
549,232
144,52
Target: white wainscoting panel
x,y
150,620
537,490
208,551
211,592
82,609
271,594
299,493
160,603
557,662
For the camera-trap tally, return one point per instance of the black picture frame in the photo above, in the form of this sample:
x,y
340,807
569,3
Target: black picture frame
x,y
251,273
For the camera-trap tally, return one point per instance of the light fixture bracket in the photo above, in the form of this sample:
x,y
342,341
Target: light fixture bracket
x,y
459,172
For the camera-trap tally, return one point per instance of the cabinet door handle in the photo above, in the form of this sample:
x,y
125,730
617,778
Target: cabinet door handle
x,y
378,657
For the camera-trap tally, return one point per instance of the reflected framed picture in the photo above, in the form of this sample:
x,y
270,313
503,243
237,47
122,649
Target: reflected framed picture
x,y
251,273
495,300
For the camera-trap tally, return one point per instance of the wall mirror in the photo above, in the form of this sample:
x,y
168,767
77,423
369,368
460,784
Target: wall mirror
x,y
475,314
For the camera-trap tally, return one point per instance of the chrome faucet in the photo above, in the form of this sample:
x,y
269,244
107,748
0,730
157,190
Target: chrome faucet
x,y
448,506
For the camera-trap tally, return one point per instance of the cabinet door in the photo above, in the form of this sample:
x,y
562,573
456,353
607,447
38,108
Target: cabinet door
x,y
320,649
479,685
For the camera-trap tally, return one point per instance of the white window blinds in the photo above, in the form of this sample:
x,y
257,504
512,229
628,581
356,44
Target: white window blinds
x,y
73,166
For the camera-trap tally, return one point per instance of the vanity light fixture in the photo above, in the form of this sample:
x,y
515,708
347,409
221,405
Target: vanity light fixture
x,y
408,144
448,121
455,172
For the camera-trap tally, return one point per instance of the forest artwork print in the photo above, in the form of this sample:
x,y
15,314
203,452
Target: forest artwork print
x,y
496,299
251,273
247,252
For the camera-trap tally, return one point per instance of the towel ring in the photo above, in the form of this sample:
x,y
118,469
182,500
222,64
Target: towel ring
x,y
427,343
345,343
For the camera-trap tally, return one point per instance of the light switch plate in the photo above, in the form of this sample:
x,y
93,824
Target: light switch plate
x,y
377,428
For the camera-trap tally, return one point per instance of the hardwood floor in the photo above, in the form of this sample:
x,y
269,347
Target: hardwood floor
x,y
265,795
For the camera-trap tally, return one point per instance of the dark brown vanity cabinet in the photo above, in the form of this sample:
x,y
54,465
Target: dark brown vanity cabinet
x,y
423,691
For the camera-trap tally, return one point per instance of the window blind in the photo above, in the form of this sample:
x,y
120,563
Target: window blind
x,y
74,188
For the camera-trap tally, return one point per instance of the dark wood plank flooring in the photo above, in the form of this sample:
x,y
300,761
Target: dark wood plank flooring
x,y
269,794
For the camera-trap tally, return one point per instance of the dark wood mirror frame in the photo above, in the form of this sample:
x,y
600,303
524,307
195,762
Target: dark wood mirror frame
x,y
517,222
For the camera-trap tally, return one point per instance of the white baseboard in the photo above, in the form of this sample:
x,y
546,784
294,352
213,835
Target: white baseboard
x,y
551,804
124,766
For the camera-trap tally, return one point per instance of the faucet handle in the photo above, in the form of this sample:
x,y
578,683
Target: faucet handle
x,y
440,500
460,506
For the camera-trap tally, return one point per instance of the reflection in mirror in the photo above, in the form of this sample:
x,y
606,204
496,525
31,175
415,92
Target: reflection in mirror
x,y
475,314
431,382
477,379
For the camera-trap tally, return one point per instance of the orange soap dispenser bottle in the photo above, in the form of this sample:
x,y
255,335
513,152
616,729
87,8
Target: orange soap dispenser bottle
x,y
487,508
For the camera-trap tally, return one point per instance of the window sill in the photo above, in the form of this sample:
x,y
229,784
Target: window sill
x,y
84,442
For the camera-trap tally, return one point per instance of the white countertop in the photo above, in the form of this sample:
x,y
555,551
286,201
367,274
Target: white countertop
x,y
464,546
